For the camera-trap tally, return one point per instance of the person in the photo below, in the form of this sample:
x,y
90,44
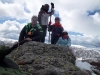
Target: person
x,y
43,17
56,30
64,40
31,31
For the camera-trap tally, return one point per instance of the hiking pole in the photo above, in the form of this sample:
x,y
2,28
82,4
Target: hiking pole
x,y
49,29
52,7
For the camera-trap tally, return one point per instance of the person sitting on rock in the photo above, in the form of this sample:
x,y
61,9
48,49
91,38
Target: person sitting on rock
x,y
31,31
64,40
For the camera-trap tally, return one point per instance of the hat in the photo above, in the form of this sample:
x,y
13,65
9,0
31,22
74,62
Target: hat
x,y
65,32
57,18
46,6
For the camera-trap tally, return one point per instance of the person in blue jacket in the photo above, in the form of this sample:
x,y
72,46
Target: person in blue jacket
x,y
64,40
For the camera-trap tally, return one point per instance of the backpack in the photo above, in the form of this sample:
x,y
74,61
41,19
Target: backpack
x,y
39,17
39,14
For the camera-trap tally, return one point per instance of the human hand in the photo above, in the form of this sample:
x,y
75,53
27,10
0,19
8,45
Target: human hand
x,y
50,23
52,5
29,33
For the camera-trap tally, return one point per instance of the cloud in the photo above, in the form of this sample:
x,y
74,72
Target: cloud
x,y
11,10
92,41
7,1
10,30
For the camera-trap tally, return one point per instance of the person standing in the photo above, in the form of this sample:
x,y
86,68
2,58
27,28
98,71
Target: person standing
x,y
56,30
43,17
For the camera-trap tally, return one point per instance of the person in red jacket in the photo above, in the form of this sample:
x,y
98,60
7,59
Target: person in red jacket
x,y
56,30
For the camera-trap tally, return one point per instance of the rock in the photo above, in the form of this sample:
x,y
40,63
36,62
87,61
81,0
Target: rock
x,y
96,67
95,63
46,59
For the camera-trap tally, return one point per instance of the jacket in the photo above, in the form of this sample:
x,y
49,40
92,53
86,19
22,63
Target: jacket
x,y
65,42
43,17
36,35
56,30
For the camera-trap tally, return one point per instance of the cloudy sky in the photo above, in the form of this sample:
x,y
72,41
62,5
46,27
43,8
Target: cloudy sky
x,y
81,18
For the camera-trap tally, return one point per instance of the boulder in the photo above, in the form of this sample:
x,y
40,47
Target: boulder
x,y
46,59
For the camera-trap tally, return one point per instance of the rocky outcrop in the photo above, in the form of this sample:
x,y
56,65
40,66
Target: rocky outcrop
x,y
46,59
96,67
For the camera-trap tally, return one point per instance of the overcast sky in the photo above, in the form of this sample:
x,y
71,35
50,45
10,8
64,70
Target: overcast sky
x,y
81,18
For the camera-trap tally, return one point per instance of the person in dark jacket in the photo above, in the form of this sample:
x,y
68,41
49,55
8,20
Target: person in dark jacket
x,y
31,31
43,17
56,30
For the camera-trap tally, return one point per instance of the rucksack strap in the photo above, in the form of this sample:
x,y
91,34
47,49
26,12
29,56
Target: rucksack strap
x,y
28,26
